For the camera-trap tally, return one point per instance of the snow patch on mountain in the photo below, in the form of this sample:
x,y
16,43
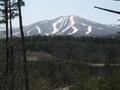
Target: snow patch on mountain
x,y
55,28
62,22
83,24
89,30
65,23
46,34
39,30
66,28
28,33
72,25
100,28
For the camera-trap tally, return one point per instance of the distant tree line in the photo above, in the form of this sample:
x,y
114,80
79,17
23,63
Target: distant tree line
x,y
86,49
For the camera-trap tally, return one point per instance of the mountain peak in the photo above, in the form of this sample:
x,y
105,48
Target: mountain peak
x,y
68,25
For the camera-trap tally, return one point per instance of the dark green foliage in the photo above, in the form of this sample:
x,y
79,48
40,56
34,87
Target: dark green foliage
x,y
84,49
12,9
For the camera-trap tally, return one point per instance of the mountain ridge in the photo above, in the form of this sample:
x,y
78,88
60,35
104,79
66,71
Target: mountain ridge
x,y
68,25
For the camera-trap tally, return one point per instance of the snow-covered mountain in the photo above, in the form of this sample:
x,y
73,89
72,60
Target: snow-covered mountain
x,y
68,25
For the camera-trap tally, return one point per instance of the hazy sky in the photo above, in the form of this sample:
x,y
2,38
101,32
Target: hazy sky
x,y
37,10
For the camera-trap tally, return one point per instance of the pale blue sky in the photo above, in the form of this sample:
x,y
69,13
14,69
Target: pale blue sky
x,y
37,10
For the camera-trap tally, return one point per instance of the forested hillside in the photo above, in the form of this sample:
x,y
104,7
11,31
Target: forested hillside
x,y
65,61
73,62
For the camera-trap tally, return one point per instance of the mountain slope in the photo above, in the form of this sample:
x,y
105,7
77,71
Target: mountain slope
x,y
68,25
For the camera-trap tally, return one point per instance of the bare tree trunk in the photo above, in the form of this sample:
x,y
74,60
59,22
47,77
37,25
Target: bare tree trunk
x,y
23,47
6,84
12,84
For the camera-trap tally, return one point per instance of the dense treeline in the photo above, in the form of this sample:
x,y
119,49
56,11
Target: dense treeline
x,y
86,49
98,40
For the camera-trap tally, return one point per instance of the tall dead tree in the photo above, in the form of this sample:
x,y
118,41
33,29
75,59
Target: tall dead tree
x,y
23,47
7,48
12,79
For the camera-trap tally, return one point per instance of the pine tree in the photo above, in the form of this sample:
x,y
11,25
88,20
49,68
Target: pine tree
x,y
9,10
